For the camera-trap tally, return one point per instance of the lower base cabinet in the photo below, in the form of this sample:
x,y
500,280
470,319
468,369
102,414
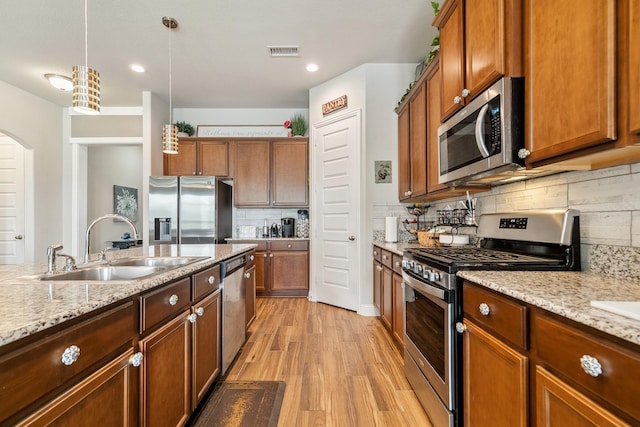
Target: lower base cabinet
x,y
205,342
250,286
388,291
105,398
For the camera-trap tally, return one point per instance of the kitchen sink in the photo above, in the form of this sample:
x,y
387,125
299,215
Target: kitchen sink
x,y
169,262
105,273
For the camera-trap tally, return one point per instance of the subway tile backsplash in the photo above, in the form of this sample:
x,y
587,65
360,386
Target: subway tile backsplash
x,y
608,201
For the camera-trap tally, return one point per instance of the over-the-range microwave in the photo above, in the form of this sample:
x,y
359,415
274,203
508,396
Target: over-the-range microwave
x,y
482,140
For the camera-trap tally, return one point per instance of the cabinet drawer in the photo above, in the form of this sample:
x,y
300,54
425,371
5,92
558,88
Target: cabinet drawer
x,y
397,263
33,371
160,304
251,260
386,258
206,281
560,347
290,245
377,253
504,317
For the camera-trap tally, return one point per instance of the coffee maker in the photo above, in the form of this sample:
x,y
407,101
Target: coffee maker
x,y
288,227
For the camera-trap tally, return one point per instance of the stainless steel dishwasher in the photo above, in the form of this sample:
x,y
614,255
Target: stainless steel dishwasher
x,y
234,332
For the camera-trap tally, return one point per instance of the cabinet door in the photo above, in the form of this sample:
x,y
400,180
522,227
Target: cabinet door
x,y
377,285
404,155
560,405
183,163
386,312
452,59
205,336
418,142
252,177
213,158
495,381
633,26
165,397
569,76
290,170
433,123
262,271
289,270
398,308
250,286
104,398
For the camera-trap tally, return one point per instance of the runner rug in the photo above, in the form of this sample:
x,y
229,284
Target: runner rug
x,y
242,404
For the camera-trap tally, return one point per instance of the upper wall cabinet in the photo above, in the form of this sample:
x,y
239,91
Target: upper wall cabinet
x,y
198,157
271,173
582,77
480,41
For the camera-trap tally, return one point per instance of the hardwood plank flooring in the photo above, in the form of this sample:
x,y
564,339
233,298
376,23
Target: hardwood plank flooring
x,y
340,368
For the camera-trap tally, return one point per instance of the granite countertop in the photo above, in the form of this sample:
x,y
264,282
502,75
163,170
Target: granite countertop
x,y
27,307
568,294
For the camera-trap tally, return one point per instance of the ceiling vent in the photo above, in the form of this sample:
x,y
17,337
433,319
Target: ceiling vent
x,y
283,51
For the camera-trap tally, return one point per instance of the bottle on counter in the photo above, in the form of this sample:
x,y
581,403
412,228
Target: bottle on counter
x,y
302,225
265,229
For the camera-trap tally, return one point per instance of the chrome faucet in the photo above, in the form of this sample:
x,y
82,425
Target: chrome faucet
x,y
97,220
51,258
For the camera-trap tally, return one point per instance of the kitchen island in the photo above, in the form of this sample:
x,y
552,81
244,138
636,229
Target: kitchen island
x,y
120,352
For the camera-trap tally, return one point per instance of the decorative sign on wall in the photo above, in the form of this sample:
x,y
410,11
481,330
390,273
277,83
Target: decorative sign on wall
x,y
383,171
250,131
125,202
334,105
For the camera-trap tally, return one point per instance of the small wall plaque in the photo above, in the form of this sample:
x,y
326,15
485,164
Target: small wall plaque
x,y
383,171
334,105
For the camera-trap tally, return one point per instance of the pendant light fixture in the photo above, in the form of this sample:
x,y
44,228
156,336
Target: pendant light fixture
x,y
170,131
86,81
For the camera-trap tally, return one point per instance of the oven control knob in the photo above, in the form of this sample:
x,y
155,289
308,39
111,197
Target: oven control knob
x,y
434,276
460,327
417,268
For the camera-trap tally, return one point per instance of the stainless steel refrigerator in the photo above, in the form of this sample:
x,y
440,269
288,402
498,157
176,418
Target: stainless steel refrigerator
x,y
189,209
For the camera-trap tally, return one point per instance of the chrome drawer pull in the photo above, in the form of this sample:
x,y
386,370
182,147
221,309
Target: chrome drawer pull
x,y
136,359
591,365
460,327
70,355
484,309
211,280
173,299
247,275
200,311
192,317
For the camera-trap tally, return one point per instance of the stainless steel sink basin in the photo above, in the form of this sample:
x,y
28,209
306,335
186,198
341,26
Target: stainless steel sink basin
x,y
105,273
170,262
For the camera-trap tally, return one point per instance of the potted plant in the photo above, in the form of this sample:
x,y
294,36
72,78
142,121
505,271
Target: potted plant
x,y
185,129
298,125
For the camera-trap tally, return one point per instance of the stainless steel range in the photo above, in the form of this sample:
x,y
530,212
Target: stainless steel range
x,y
534,240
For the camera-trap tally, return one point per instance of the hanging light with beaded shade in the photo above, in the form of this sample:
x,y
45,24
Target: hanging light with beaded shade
x,y
86,81
170,131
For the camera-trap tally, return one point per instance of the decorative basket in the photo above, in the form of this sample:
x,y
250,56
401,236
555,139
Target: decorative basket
x,y
427,239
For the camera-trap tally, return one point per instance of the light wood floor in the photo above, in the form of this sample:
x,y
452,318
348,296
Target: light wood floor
x,y
340,368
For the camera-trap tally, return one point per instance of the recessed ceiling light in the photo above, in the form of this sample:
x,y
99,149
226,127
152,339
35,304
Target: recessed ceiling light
x,y
312,68
137,68
60,82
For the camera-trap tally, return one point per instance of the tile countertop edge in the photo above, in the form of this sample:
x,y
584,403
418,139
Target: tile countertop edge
x,y
27,308
568,294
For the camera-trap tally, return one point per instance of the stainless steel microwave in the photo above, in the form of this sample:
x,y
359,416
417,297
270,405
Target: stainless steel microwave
x,y
483,139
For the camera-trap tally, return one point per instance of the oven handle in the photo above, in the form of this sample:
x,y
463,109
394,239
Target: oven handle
x,y
424,287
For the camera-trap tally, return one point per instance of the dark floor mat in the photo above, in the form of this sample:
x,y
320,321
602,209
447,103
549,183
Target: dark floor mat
x,y
242,403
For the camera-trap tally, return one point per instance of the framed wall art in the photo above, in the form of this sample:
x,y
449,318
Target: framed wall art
x,y
125,202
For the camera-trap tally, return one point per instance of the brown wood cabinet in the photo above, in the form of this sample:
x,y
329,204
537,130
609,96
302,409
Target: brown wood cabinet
x,y
531,361
104,398
433,82
271,173
198,157
377,278
398,307
250,286
412,146
480,41
282,267
205,343
582,108
33,374
388,291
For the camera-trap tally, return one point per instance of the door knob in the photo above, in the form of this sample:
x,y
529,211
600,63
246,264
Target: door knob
x,y
352,237
18,237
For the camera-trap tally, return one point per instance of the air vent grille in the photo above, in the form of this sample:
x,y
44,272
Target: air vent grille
x,y
283,51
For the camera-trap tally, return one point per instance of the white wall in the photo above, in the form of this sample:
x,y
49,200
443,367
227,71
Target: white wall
x,y
37,125
375,90
236,116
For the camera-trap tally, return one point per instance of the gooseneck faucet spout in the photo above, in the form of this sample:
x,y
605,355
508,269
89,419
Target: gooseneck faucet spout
x,y
97,220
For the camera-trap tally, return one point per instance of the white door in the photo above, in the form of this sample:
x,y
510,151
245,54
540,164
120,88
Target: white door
x,y
334,211
12,210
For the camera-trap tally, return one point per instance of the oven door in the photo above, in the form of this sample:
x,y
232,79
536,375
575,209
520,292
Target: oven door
x,y
429,317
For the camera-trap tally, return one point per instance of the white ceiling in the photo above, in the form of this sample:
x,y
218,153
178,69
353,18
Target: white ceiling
x,y
220,55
